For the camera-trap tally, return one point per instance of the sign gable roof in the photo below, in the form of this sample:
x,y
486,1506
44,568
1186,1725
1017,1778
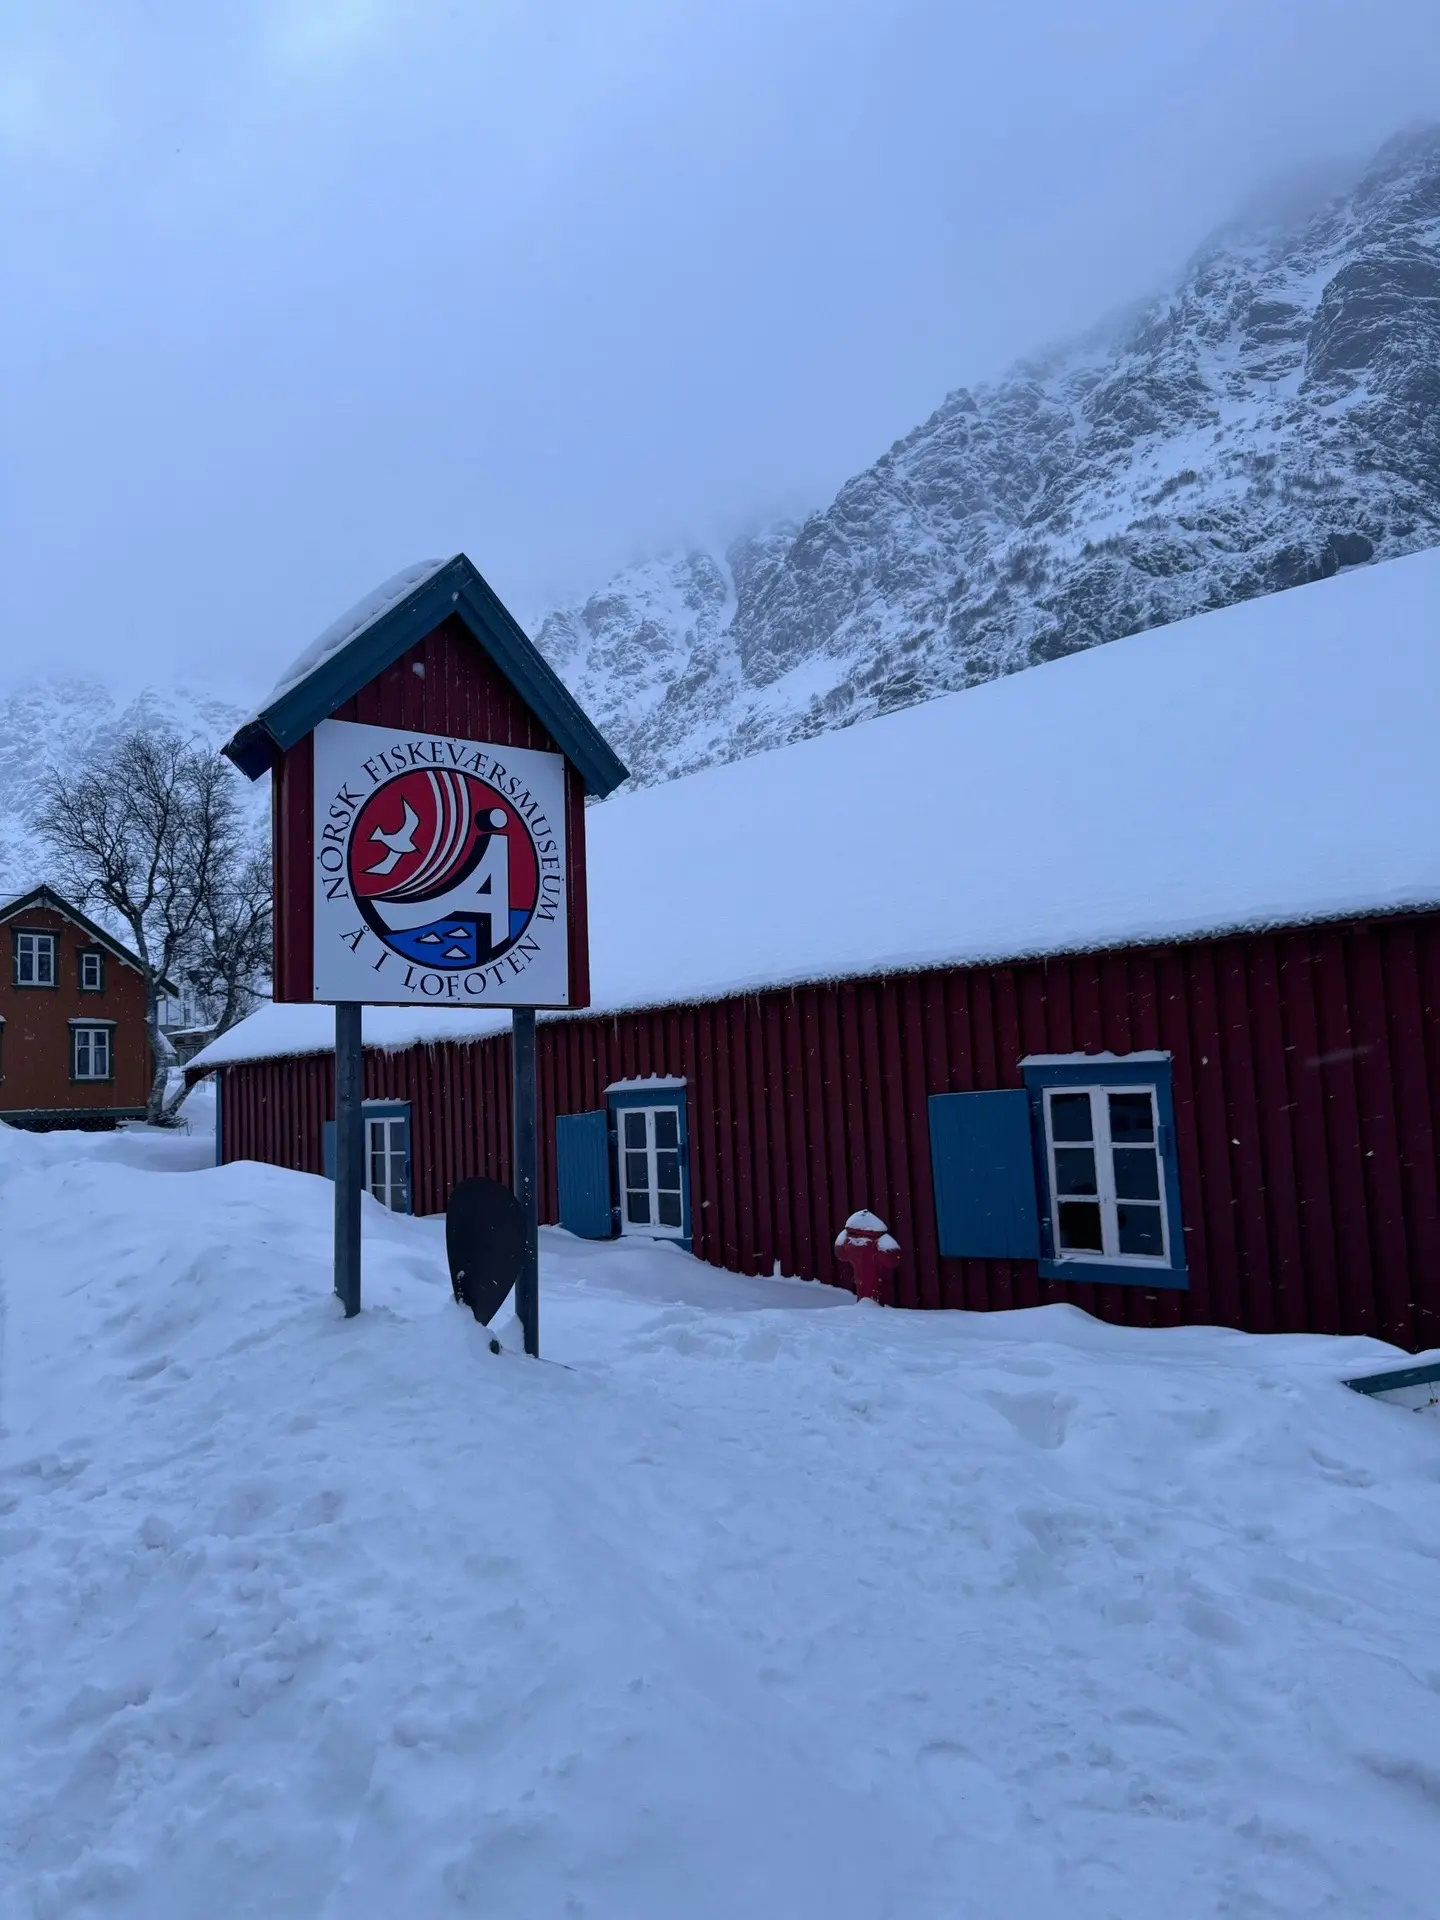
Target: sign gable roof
x,y
379,629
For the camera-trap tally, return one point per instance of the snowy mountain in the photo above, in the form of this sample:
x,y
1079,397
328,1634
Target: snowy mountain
x,y
1272,418
65,719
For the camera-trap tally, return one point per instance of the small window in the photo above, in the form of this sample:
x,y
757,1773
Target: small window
x,y
92,1052
35,959
651,1179
387,1152
650,1170
1105,1174
385,1168
1106,1168
92,971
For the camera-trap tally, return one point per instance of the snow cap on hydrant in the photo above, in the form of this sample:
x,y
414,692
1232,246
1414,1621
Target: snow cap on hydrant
x,y
865,1246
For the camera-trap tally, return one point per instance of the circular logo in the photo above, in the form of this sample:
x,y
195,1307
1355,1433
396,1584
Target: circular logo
x,y
443,869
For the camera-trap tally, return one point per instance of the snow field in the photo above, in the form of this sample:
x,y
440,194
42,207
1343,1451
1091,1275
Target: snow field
x,y
748,1601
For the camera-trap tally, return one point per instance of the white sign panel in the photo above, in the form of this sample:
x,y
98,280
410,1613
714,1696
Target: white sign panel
x,y
440,875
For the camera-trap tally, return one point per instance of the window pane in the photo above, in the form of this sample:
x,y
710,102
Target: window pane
x,y
1137,1173
1080,1227
667,1170
1132,1117
1075,1170
634,1129
667,1127
1140,1231
397,1179
637,1209
102,1048
82,1055
637,1170
25,959
45,954
670,1210
1070,1116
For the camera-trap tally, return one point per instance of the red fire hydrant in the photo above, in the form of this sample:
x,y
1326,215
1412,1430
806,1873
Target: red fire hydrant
x,y
865,1245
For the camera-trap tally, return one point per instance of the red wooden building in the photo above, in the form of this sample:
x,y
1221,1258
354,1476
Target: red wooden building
x,y
74,1050
1116,982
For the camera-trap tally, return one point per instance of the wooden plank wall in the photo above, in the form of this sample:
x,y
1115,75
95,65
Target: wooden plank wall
x,y
1307,1094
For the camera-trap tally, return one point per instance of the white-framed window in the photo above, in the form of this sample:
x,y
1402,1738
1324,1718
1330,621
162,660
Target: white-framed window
x,y
386,1154
35,959
1103,1146
92,971
92,1052
652,1196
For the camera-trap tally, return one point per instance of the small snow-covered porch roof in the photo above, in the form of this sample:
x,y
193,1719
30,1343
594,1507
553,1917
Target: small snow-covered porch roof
x,y
375,632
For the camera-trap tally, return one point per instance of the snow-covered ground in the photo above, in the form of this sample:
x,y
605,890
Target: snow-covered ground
x,y
747,1602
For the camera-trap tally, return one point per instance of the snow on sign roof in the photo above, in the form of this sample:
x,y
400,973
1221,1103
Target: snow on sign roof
x,y
350,625
378,629
1264,765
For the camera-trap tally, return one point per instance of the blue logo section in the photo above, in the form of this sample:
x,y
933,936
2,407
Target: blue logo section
x,y
449,944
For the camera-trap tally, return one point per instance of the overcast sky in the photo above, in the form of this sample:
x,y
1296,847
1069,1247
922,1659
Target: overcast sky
x,y
297,291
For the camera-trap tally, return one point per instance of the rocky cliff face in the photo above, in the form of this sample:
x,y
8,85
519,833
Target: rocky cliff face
x,y
1273,418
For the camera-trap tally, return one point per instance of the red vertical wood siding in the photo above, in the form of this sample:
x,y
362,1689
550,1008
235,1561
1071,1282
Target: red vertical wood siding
x,y
1307,1097
445,685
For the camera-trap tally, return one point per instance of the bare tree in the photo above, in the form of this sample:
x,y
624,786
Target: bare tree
x,y
149,831
230,955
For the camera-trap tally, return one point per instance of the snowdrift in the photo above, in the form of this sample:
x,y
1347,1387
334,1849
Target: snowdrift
x,y
732,1608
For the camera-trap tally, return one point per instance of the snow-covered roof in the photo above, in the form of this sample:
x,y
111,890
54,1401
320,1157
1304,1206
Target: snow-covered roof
x,y
377,630
1264,765
350,625
275,1031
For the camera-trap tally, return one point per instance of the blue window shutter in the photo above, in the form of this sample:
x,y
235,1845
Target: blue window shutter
x,y
984,1169
329,1149
582,1161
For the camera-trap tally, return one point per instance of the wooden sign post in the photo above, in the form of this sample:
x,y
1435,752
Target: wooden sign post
x,y
429,775
524,1101
349,1152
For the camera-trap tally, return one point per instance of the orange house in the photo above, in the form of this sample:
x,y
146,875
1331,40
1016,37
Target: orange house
x,y
73,1047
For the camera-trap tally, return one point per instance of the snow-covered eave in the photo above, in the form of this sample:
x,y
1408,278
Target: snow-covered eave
x,y
490,1025
948,959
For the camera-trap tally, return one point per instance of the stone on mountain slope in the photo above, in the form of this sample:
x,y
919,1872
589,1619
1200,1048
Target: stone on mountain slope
x,y
1273,417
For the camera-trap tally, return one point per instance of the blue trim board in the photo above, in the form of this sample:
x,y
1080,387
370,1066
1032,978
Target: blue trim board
x,y
1393,1382
585,1175
980,1160
1143,1070
459,589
